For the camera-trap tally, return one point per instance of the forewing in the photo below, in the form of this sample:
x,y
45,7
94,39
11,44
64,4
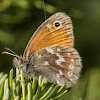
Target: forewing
x,y
48,34
57,64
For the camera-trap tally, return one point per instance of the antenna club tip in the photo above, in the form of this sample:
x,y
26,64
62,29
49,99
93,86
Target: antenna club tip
x,y
3,52
7,48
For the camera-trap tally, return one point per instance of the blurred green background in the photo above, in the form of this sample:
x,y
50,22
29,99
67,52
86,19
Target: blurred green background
x,y
20,18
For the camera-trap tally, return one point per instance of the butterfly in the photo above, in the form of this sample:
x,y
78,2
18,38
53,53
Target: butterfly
x,y
51,54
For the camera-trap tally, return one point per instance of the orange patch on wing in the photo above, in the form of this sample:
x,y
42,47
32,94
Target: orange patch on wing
x,y
48,35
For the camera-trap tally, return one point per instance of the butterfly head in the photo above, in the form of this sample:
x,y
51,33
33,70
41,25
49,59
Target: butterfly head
x,y
17,62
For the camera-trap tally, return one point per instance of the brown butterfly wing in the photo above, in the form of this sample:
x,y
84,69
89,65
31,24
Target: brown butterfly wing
x,y
57,64
48,34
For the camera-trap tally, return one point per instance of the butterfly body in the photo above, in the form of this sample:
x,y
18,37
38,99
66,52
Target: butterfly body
x,y
51,54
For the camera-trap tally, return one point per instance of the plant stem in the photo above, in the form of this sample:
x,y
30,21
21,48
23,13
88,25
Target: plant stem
x,y
23,85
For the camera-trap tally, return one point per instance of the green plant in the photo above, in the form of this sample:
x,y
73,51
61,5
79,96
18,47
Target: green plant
x,y
20,88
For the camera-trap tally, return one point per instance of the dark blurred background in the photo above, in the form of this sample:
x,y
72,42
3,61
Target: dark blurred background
x,y
20,18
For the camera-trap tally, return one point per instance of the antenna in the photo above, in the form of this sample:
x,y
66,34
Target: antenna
x,y
12,53
10,50
44,9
